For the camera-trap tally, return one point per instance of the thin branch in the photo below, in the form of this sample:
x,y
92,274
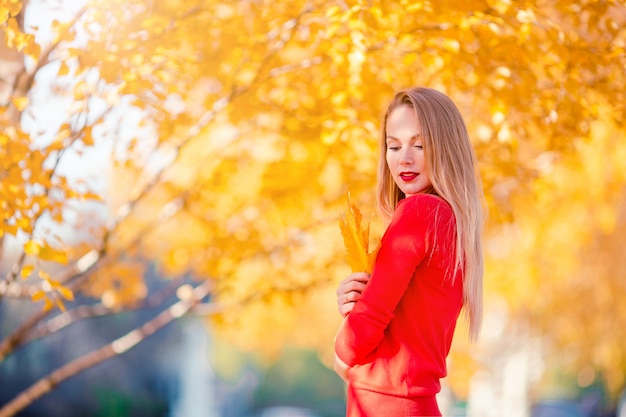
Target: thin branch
x,y
17,266
211,308
117,347
68,317
85,265
73,278
14,339
25,79
17,290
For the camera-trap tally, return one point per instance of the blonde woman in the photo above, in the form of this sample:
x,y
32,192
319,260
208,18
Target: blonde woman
x,y
392,346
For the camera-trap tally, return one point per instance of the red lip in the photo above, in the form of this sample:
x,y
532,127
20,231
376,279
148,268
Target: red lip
x,y
408,176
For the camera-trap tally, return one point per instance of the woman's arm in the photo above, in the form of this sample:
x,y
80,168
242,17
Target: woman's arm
x,y
408,239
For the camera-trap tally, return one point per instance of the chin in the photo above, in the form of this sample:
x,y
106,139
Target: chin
x,y
414,191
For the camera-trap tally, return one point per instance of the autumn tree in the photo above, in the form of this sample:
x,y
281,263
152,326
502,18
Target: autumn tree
x,y
232,132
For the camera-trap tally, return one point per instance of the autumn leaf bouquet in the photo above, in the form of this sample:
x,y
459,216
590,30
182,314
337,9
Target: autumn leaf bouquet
x,y
356,240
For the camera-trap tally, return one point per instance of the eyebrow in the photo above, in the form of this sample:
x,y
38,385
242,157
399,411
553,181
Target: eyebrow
x,y
391,137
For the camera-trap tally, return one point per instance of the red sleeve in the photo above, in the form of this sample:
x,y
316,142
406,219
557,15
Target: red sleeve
x,y
405,244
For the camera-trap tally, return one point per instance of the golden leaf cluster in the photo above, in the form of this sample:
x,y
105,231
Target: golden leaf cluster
x,y
48,294
356,240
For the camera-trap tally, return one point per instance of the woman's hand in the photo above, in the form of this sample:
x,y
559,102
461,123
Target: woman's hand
x,y
349,291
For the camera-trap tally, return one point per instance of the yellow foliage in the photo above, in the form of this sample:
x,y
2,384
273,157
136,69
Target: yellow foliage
x,y
118,285
64,69
256,120
31,248
52,292
47,253
27,270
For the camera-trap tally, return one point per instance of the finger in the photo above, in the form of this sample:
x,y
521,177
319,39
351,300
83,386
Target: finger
x,y
354,282
356,276
346,308
344,299
351,285
355,286
343,283
359,276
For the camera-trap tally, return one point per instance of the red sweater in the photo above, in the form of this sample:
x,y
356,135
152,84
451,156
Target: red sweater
x,y
397,337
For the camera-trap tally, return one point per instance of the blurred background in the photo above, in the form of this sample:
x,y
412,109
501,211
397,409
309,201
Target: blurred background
x,y
173,172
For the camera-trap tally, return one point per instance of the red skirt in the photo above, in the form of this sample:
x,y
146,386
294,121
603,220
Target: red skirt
x,y
363,403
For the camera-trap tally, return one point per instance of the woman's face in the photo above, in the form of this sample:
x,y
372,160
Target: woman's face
x,y
405,156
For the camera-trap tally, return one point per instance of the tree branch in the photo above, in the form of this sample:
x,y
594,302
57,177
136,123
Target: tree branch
x,y
66,318
117,347
74,273
15,339
24,80
5,285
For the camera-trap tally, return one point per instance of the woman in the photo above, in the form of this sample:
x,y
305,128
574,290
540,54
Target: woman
x,y
398,326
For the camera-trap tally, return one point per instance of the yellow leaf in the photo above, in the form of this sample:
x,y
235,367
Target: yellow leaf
x,y
91,196
27,270
4,15
48,305
451,45
60,304
12,31
50,254
13,7
87,137
356,240
23,223
65,293
54,283
31,248
333,11
64,133
63,69
20,103
44,275
38,295
71,194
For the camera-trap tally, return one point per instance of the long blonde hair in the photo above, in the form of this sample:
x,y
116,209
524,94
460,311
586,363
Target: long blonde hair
x,y
452,168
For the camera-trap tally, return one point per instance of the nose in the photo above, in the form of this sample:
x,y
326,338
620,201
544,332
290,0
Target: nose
x,y
406,158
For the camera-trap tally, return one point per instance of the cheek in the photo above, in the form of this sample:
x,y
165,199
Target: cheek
x,y
421,159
